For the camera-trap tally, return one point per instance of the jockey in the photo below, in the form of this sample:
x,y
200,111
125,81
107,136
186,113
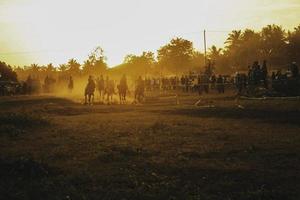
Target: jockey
x,y
71,84
90,89
123,82
140,88
101,83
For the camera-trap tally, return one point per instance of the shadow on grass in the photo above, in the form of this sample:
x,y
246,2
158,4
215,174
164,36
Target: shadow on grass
x,y
272,116
142,179
33,101
15,123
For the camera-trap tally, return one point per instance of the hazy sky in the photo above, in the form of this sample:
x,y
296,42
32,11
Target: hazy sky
x,y
44,31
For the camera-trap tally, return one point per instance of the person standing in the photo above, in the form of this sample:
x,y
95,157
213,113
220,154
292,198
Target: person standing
x,y
294,70
70,84
264,72
220,84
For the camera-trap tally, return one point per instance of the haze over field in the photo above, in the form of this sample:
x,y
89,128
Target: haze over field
x,y
44,31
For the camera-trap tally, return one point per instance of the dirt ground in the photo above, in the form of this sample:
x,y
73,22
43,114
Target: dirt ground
x,y
56,148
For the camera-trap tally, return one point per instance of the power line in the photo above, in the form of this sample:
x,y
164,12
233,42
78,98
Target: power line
x,y
57,51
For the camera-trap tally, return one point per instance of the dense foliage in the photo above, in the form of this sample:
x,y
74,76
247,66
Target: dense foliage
x,y
273,44
6,73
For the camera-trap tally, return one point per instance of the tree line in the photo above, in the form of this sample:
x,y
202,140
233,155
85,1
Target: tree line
x,y
242,47
274,44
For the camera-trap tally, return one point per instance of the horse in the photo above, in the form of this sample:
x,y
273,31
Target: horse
x,y
122,89
101,88
89,92
110,91
139,94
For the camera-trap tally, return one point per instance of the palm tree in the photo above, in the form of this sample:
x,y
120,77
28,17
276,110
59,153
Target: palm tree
x,y
294,45
62,68
35,68
249,47
233,39
233,44
88,68
214,53
273,44
50,69
74,67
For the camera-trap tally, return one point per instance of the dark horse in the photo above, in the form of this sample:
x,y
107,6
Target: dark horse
x,y
140,90
122,89
89,91
110,91
101,87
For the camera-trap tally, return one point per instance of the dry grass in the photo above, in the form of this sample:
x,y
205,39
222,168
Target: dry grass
x,y
154,151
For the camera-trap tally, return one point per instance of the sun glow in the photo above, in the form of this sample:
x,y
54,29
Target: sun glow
x,y
44,31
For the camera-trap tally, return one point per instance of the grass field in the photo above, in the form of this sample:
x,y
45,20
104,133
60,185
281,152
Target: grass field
x,y
55,148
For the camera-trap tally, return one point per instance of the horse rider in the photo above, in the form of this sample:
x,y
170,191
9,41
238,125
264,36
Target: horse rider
x,y
89,91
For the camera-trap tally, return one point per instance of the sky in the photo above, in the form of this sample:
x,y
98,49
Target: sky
x,y
53,31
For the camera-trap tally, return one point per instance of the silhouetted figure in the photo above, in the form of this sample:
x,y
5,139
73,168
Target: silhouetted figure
x,y
220,84
213,80
140,89
256,73
110,90
182,81
294,70
264,74
46,84
205,83
199,85
187,83
273,76
101,87
122,88
70,84
29,85
241,82
89,91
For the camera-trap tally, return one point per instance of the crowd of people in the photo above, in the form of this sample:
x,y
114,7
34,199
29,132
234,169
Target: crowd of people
x,y
188,83
286,83
258,76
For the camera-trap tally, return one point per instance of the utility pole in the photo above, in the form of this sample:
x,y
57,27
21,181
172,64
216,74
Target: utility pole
x,y
204,34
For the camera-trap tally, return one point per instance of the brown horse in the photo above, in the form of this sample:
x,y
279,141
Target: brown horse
x,y
122,89
89,92
110,91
